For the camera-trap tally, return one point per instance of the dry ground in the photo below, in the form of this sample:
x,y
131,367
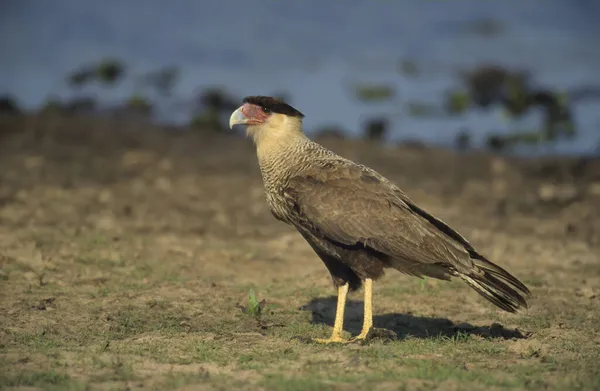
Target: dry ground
x,y
126,255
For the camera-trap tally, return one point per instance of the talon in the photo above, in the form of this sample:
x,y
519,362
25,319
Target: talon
x,y
363,336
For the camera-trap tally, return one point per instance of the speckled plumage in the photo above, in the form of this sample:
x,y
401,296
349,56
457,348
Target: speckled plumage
x,y
360,223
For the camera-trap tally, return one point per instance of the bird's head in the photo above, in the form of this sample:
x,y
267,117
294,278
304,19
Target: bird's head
x,y
265,116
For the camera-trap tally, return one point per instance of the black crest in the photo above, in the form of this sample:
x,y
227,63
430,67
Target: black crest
x,y
273,105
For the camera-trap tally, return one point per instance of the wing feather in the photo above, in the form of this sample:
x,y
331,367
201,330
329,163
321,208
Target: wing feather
x,y
354,206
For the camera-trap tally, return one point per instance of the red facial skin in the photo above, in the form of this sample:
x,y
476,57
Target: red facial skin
x,y
254,114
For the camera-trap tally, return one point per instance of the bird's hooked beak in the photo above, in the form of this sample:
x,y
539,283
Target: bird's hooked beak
x,y
237,118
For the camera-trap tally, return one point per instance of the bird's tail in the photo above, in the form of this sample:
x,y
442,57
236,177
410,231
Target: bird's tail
x,y
496,284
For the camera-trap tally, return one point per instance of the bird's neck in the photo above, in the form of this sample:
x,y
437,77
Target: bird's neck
x,y
278,149
275,140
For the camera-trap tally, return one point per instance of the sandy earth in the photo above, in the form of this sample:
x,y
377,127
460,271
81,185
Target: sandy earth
x,y
126,254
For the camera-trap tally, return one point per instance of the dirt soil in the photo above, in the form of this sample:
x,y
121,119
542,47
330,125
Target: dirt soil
x,y
127,255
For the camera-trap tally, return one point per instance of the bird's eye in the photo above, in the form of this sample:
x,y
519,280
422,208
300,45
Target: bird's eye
x,y
265,110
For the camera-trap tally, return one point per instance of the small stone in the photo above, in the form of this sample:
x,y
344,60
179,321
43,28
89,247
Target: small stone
x,y
594,189
33,162
163,184
499,166
165,165
560,193
105,196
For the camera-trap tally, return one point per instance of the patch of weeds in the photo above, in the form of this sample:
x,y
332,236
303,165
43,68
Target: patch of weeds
x,y
459,337
404,369
571,345
432,371
45,240
592,384
254,307
162,350
101,292
535,281
226,326
158,304
37,265
283,383
246,361
122,370
115,370
210,351
456,347
146,271
132,321
176,380
393,290
101,263
98,240
12,265
536,322
44,339
301,328
533,376
380,351
258,359
488,347
44,379
420,286
127,322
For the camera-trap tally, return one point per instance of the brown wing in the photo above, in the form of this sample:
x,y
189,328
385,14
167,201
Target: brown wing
x,y
352,205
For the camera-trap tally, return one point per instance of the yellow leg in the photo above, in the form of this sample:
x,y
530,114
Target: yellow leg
x,y
368,317
338,326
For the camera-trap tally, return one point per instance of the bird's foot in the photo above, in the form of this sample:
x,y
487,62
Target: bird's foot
x,y
364,336
373,333
331,340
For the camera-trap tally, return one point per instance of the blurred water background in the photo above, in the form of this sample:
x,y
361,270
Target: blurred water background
x,y
317,53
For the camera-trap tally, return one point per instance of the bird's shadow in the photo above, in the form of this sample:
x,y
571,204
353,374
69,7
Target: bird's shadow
x,y
403,325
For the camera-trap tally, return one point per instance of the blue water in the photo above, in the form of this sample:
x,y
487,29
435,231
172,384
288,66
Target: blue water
x,y
314,50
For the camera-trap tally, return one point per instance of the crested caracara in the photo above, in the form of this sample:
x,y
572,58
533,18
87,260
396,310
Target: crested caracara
x,y
358,222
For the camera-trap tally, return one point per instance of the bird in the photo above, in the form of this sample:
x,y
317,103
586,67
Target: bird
x,y
356,220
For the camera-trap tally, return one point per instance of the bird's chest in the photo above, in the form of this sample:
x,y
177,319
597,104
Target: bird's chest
x,y
278,204
275,180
